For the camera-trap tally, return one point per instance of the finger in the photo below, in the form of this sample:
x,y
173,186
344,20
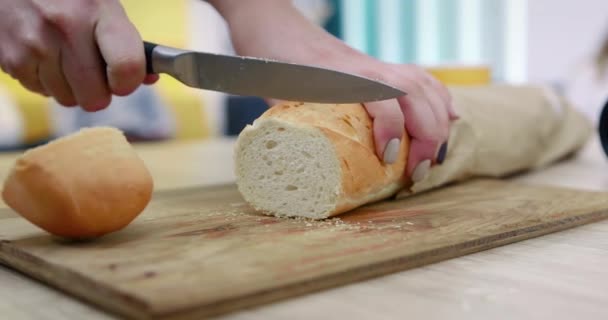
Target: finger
x,y
440,111
82,67
422,126
49,72
431,93
452,114
388,128
419,159
29,80
428,80
122,49
439,88
52,79
151,79
445,96
419,118
23,66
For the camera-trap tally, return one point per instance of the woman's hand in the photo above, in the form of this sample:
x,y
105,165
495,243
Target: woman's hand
x,y
78,51
425,113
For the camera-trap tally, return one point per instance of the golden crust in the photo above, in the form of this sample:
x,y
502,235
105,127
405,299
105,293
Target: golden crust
x,y
349,128
81,186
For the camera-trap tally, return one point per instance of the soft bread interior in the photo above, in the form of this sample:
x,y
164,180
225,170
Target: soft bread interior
x,y
288,170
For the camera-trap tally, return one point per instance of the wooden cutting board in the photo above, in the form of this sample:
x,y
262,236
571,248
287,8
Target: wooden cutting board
x,y
201,252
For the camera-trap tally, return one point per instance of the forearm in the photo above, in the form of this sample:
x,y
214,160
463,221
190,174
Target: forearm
x,y
276,29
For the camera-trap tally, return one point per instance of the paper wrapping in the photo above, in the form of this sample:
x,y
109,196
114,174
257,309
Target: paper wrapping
x,y
505,130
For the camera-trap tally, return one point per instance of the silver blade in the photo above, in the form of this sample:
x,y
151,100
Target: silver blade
x,y
278,80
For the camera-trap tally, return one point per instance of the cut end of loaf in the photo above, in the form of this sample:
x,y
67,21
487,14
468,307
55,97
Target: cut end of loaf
x,y
286,170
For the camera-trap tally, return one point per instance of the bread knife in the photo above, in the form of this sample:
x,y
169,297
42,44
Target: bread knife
x,y
265,78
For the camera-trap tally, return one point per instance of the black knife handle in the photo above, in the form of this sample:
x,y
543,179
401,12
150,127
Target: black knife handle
x,y
149,49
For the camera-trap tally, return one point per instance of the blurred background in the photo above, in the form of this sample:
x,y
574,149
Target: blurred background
x,y
463,42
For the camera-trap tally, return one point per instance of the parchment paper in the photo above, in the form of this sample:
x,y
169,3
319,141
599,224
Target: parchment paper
x,y
504,130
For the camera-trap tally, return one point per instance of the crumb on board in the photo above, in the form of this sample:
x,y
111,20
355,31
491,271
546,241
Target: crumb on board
x,y
236,212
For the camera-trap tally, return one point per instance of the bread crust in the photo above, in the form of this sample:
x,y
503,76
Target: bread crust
x,y
348,127
82,186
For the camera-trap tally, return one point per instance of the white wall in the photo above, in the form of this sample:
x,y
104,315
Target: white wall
x,y
560,34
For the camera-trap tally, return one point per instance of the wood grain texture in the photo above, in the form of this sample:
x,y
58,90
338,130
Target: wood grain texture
x,y
560,276
200,252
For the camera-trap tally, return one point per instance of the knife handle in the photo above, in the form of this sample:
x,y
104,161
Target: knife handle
x,y
149,49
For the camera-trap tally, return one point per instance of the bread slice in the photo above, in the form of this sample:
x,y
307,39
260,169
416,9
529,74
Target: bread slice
x,y
80,186
314,160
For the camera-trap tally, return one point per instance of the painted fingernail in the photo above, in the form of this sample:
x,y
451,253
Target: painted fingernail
x,y
421,171
391,151
443,150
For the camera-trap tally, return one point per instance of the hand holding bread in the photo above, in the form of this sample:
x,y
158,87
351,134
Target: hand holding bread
x,y
316,161
425,113
281,32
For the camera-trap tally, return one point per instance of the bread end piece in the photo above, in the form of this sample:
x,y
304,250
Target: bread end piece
x,y
80,186
314,161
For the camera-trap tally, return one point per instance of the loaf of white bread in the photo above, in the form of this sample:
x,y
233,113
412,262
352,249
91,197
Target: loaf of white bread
x,y
317,161
81,186
314,160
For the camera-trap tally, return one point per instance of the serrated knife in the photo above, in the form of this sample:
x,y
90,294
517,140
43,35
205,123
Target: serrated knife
x,y
264,78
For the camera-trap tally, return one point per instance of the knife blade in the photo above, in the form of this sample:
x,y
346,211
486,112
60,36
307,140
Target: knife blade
x,y
264,78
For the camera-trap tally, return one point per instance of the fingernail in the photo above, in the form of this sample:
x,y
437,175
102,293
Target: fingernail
x,y
443,150
454,115
421,171
391,151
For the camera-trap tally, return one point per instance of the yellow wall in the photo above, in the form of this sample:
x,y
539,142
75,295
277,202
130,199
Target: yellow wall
x,y
166,22
33,108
